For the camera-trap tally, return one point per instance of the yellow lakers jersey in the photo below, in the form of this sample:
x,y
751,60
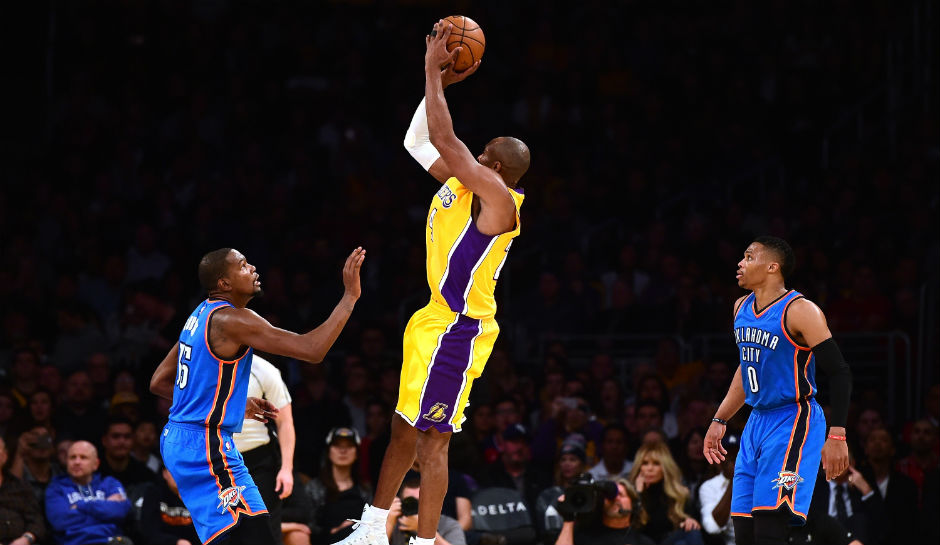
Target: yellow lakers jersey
x,y
463,263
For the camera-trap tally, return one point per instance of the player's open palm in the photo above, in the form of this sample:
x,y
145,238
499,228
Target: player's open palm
x,y
712,449
835,458
351,272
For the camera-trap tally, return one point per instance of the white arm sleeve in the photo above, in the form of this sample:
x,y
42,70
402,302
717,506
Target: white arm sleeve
x,y
418,139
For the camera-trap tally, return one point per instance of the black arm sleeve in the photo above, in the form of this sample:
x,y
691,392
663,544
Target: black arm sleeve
x,y
829,358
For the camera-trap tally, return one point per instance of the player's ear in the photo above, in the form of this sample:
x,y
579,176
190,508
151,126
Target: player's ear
x,y
773,267
497,166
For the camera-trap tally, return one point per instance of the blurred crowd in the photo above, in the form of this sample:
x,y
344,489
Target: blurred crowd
x,y
663,140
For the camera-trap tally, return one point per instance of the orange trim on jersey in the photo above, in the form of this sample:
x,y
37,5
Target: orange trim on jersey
x,y
748,515
205,335
785,501
796,422
218,483
218,431
799,457
234,522
742,305
771,305
783,327
806,376
796,379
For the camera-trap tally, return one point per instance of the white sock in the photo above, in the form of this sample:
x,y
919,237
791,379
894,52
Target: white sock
x,y
374,514
424,541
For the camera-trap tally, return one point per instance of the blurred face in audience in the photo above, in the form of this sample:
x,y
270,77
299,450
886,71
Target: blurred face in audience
x,y
570,466
648,417
651,470
651,389
6,408
868,420
506,414
879,447
342,452
3,453
483,420
83,461
39,445
117,441
923,437
614,446
577,417
40,406
62,451
695,447
516,454
78,390
145,436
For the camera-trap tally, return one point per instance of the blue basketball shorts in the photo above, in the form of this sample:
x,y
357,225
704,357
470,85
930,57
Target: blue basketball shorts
x,y
211,477
779,459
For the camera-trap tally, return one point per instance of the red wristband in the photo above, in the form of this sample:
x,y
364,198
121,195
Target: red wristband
x,y
836,437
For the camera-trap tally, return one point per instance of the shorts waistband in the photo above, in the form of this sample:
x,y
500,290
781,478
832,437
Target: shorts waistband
x,y
194,427
788,405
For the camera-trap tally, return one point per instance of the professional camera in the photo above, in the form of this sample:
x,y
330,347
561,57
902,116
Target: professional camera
x,y
409,506
587,496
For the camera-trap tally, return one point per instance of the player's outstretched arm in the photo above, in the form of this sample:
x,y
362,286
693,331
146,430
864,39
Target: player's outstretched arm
x,y
246,327
161,383
483,181
807,323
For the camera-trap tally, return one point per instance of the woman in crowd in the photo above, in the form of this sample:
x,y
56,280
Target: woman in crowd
x,y
658,480
570,464
40,406
336,494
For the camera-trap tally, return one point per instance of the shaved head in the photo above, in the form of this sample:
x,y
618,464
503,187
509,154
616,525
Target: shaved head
x,y
513,156
212,266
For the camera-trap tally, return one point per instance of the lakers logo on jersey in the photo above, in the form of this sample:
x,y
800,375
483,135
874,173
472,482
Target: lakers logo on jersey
x,y
446,195
436,413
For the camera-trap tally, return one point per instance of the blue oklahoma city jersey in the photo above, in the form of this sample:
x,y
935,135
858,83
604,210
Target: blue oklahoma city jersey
x,y
775,370
209,391
782,441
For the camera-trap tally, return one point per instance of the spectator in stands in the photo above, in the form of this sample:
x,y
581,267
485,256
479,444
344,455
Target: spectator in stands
x,y
296,510
40,407
457,498
83,506
715,494
164,519
572,415
613,456
24,372
336,493
402,520
358,388
570,465
50,379
618,524
717,377
34,461
651,389
868,420
144,445
467,449
78,412
21,521
695,470
658,480
853,502
98,367
922,458
514,468
8,413
317,410
126,406
118,462
897,490
610,401
647,415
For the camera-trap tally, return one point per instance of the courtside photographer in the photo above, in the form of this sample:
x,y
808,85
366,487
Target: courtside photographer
x,y
601,513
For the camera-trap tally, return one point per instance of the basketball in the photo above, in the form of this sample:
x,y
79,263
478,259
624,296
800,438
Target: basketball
x,y
467,35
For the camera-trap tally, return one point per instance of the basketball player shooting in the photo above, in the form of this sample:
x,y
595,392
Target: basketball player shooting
x,y
781,338
472,220
211,364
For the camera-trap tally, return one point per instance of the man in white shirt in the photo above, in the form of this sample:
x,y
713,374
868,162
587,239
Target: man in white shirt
x,y
271,466
715,494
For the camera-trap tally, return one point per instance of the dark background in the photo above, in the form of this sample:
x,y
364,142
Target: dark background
x,y
664,135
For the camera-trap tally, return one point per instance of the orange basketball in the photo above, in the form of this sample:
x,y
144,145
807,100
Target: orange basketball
x,y
467,35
